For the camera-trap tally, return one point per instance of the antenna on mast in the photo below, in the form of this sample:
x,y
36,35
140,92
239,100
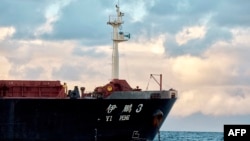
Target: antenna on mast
x,y
117,37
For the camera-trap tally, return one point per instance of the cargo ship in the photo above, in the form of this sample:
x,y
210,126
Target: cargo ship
x,y
40,110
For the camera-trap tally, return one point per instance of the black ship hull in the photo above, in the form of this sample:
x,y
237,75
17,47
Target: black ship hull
x,y
81,119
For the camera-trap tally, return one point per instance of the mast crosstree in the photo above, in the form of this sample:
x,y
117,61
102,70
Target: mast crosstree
x,y
117,37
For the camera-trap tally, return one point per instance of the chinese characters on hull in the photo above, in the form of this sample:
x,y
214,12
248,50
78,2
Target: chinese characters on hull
x,y
125,113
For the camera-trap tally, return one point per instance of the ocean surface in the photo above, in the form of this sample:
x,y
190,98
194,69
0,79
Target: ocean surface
x,y
189,136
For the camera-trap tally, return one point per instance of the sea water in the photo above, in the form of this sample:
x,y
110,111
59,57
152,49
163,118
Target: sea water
x,y
189,136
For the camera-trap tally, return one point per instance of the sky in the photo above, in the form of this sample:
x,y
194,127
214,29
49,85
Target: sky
x,y
200,47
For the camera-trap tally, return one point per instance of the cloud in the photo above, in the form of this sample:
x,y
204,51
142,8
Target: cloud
x,y
24,16
5,68
232,14
218,81
6,32
137,10
87,24
52,14
190,33
213,101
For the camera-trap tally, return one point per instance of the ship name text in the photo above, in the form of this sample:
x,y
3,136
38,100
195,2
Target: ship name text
x,y
113,109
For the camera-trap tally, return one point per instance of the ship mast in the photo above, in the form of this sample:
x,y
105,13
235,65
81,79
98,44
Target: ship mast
x,y
117,37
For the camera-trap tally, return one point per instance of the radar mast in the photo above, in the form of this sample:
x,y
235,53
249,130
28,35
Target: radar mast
x,y
117,37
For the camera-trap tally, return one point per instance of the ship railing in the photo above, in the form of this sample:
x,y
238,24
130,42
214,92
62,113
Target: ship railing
x,y
115,20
